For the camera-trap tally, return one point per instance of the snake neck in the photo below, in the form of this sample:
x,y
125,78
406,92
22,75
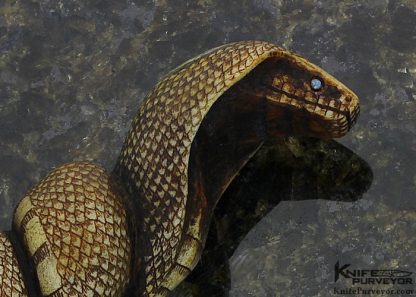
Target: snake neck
x,y
228,137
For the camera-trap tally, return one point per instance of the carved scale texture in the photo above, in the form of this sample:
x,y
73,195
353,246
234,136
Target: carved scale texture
x,y
11,281
74,226
157,149
74,223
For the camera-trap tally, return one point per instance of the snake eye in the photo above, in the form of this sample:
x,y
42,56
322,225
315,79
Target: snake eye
x,y
316,84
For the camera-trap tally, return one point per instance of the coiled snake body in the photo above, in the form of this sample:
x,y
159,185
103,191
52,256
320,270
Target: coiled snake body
x,y
84,232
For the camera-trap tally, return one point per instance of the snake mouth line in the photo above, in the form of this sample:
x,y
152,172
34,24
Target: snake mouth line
x,y
345,113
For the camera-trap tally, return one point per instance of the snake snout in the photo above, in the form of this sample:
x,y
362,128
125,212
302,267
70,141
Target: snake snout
x,y
354,116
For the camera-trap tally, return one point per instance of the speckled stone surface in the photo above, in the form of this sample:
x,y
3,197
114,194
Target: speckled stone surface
x,y
72,74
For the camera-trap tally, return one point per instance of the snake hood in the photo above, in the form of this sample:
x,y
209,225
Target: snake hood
x,y
197,128
296,83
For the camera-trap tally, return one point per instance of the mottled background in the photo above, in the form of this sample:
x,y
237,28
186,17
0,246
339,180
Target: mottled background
x,y
72,74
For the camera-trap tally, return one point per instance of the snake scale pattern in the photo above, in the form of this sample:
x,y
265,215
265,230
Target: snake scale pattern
x,y
140,229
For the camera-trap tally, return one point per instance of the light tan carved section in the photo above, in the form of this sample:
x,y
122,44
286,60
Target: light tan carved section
x,y
75,227
11,280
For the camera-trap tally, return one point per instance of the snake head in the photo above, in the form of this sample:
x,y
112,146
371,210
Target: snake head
x,y
314,102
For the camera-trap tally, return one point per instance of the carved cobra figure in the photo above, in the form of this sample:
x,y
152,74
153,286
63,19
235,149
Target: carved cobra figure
x,y
140,229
